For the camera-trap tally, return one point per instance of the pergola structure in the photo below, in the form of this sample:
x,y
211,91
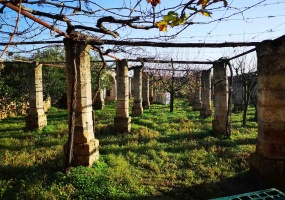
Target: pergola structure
x,y
82,147
271,74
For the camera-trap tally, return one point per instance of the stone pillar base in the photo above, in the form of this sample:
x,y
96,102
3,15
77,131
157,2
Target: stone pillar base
x,y
84,154
197,106
137,110
122,124
36,122
98,105
218,127
267,166
151,100
205,113
146,104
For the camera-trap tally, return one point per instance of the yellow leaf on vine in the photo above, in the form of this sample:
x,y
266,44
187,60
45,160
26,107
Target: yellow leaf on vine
x,y
207,14
162,25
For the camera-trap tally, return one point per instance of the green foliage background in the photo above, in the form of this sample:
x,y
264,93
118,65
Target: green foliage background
x,y
14,77
14,83
54,79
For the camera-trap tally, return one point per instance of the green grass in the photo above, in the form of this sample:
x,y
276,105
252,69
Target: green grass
x,y
166,156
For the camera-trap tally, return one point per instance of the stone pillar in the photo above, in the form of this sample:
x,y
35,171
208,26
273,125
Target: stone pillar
x,y
112,92
269,158
155,95
190,98
130,87
47,104
145,91
197,95
137,92
99,101
86,147
220,80
151,95
237,95
122,120
36,118
206,94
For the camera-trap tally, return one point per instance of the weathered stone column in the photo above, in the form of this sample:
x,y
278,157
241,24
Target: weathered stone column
x,y
151,82
122,120
145,91
220,80
190,98
137,92
130,87
99,101
269,158
36,118
86,147
206,94
155,95
111,94
237,95
47,104
197,95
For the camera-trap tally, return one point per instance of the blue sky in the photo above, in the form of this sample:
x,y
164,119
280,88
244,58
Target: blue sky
x,y
263,21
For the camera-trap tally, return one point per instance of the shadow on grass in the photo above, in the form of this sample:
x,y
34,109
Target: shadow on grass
x,y
23,176
174,143
239,125
12,120
57,116
9,129
245,182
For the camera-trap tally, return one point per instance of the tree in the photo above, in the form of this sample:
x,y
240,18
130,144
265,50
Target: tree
x,y
99,79
172,80
14,77
247,75
14,84
97,18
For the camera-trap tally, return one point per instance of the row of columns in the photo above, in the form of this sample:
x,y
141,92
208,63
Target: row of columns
x,y
269,157
201,100
37,119
202,95
85,146
141,91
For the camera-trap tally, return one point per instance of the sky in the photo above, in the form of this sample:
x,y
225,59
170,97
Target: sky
x,y
241,21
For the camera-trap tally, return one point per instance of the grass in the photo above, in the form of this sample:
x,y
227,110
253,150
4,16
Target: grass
x,y
166,156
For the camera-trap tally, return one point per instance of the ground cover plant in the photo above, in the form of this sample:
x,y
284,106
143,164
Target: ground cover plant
x,y
166,156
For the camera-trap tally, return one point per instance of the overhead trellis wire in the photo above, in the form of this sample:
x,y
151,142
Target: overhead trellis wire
x,y
149,44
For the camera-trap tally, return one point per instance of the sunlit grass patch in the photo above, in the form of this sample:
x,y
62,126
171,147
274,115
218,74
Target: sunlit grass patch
x,y
165,156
